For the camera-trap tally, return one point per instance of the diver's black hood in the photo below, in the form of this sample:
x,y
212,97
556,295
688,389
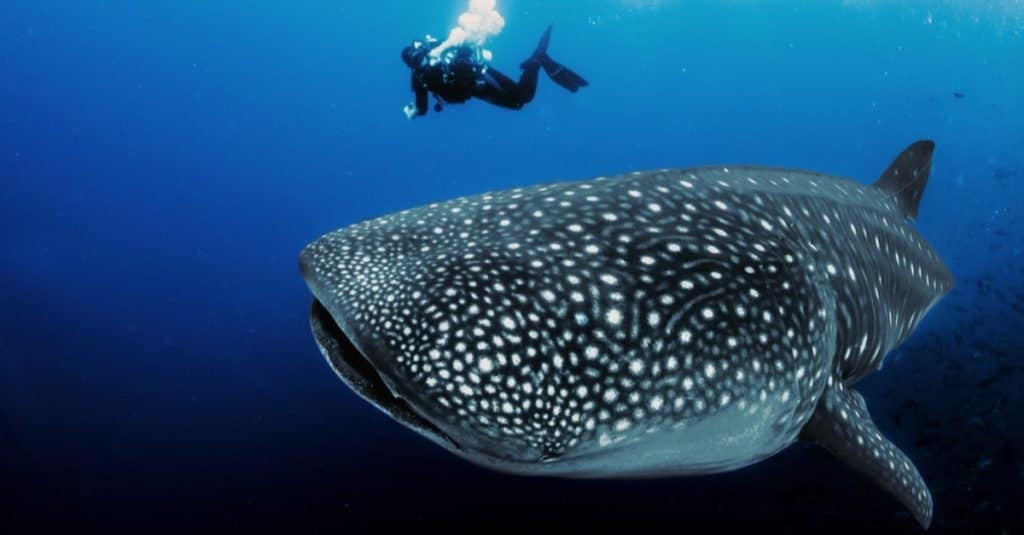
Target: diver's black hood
x,y
414,54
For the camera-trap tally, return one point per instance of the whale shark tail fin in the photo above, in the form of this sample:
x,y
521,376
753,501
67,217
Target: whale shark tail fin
x,y
841,424
907,176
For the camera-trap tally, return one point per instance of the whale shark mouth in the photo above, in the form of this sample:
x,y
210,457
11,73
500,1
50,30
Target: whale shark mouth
x,y
363,377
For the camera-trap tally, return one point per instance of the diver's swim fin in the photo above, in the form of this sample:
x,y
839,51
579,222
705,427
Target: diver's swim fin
x,y
542,46
539,53
556,71
562,75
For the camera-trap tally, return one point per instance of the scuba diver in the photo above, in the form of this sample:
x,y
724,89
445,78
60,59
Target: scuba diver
x,y
456,74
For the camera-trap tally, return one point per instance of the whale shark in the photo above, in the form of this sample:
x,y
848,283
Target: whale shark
x,y
654,323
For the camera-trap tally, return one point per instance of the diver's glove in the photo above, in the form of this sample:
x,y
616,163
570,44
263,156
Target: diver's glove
x,y
410,111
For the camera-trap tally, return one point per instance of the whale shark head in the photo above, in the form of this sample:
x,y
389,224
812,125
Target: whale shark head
x,y
647,324
627,325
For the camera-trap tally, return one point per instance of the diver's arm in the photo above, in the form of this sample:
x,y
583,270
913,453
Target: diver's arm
x,y
421,100
419,107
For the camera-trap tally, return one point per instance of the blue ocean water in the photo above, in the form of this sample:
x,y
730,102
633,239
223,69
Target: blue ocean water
x,y
163,162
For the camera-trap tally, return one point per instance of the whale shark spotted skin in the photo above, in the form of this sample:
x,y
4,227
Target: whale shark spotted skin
x,y
659,323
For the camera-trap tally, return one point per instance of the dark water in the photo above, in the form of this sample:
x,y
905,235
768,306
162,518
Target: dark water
x,y
162,163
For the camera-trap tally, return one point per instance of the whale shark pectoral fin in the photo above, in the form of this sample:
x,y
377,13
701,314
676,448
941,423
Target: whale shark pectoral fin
x,y
841,424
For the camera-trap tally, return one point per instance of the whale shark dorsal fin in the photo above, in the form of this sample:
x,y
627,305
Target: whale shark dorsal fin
x,y
907,176
841,424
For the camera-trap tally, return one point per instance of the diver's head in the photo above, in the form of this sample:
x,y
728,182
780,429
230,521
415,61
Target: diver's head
x,y
413,54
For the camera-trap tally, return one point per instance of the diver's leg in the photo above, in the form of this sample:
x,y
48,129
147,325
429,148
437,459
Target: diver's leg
x,y
500,90
528,83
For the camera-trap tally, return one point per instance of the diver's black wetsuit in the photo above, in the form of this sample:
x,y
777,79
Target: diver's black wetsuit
x,y
460,74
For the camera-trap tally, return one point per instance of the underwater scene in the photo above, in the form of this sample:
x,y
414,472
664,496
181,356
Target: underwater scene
x,y
638,266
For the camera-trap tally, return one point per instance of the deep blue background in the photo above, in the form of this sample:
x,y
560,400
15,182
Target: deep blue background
x,y
163,162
